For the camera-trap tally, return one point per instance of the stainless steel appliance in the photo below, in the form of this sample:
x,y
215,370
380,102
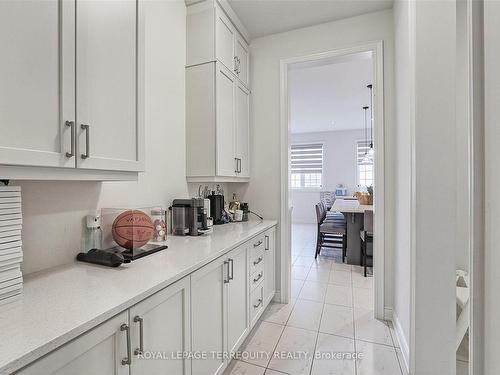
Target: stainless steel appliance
x,y
189,217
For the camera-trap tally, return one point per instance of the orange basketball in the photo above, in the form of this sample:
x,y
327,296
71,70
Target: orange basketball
x,y
132,229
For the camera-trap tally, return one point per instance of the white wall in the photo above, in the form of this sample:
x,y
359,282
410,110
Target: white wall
x,y
54,211
492,183
402,192
266,52
339,167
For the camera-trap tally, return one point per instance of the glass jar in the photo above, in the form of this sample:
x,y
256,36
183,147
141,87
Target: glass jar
x,y
159,223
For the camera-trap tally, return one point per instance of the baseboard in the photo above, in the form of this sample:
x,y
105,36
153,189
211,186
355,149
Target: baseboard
x,y
388,313
403,343
277,296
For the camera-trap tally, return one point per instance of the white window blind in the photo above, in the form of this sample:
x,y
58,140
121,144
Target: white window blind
x,y
306,165
364,165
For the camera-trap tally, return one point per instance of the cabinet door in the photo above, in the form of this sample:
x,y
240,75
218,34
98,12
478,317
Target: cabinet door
x,y
108,111
37,89
208,316
242,60
269,266
224,40
99,351
242,99
237,298
225,119
166,328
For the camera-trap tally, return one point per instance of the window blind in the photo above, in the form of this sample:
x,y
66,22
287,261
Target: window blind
x,y
307,158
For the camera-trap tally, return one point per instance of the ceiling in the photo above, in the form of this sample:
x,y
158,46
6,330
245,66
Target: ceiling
x,y
329,97
265,17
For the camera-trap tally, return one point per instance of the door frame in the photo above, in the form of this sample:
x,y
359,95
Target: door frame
x,y
377,50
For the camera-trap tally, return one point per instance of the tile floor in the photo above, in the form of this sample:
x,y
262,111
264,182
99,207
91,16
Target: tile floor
x,y
331,314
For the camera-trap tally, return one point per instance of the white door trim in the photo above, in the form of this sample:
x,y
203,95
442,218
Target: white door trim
x,y
376,47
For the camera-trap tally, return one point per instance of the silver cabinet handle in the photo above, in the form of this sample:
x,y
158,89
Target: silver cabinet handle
x,y
239,165
257,244
226,280
259,276
259,259
140,349
267,243
259,302
87,141
72,152
127,360
236,160
230,275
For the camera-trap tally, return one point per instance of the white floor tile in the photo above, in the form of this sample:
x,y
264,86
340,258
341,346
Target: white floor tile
x,y
319,274
296,287
340,277
327,363
337,320
261,342
339,295
322,262
370,329
272,372
243,368
306,315
363,298
295,340
305,261
299,272
313,291
377,359
341,266
277,312
360,281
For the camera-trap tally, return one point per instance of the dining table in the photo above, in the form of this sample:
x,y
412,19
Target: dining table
x,y
354,214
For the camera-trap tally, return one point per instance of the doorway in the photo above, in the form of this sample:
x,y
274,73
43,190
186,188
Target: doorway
x,y
372,52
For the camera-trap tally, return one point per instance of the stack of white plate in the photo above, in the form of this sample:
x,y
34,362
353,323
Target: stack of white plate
x,y
11,254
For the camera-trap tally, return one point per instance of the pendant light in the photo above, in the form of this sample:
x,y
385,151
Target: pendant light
x,y
366,158
371,151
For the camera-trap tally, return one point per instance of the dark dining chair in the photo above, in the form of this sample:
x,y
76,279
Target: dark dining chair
x,y
331,231
366,235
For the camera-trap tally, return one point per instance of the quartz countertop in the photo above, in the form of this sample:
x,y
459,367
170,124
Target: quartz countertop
x,y
60,304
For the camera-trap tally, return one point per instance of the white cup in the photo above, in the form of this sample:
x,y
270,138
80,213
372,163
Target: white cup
x,y
238,215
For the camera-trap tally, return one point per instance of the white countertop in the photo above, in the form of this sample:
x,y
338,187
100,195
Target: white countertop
x,y
350,206
60,304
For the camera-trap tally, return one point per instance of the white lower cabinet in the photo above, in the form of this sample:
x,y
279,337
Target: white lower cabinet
x,y
269,265
160,329
114,347
99,351
219,310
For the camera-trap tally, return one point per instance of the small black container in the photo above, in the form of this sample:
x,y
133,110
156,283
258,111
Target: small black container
x,y
245,209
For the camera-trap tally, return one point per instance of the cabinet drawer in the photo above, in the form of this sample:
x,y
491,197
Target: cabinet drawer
x,y
256,259
256,303
257,277
257,243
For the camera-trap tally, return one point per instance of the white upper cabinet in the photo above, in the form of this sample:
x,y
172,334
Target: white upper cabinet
x,y
242,60
242,141
107,102
225,116
225,36
213,36
37,88
71,89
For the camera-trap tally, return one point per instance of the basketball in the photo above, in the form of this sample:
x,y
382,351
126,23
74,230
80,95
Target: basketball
x,y
132,229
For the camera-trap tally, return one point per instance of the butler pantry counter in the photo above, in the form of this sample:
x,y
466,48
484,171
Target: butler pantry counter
x,y
63,304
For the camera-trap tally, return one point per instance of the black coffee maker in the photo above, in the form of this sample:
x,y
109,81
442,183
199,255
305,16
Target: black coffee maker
x,y
217,208
189,217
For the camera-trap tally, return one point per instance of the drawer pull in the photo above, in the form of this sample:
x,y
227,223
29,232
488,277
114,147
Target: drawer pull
x,y
127,360
266,247
257,244
259,276
255,262
140,349
226,281
259,302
